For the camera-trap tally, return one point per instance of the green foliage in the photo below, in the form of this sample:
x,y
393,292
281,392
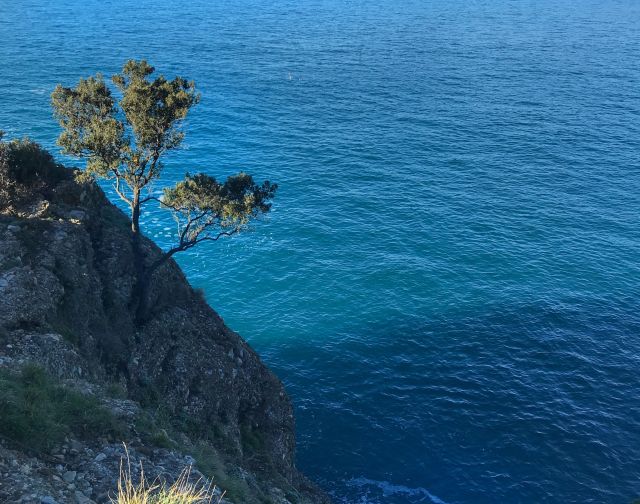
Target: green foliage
x,y
116,391
87,114
210,464
207,460
156,428
148,396
38,413
27,162
291,497
25,168
160,428
181,491
235,489
154,108
161,439
206,209
124,140
252,439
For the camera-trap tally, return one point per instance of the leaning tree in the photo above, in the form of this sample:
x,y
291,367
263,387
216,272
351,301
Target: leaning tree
x,y
125,140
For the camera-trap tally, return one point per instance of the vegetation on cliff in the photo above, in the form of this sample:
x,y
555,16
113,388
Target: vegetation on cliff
x,y
125,140
183,490
80,373
38,413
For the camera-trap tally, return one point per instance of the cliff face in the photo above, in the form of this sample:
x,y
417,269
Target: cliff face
x,y
66,279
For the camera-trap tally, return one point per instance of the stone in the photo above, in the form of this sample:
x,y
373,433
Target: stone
x,y
80,497
77,215
69,476
79,274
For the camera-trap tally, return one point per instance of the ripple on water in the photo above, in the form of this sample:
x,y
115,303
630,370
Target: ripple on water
x,y
449,281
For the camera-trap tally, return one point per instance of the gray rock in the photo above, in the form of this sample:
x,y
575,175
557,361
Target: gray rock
x,y
48,500
69,476
75,279
77,215
80,497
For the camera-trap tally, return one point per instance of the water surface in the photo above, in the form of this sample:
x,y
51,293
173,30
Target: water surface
x,y
449,283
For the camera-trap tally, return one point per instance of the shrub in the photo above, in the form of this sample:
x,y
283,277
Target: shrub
x,y
38,413
182,491
25,162
25,168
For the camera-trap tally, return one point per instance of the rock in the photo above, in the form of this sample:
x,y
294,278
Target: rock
x,y
75,445
78,215
81,498
48,500
66,307
69,476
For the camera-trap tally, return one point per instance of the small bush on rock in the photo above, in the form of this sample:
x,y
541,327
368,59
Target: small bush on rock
x,y
182,491
37,413
25,169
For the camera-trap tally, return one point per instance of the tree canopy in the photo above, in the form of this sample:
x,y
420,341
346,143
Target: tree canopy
x,y
206,210
125,139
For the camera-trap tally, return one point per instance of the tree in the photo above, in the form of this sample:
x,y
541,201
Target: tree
x,y
206,210
125,141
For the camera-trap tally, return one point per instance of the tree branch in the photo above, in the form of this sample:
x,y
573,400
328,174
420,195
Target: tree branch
x,y
186,245
176,209
218,236
119,192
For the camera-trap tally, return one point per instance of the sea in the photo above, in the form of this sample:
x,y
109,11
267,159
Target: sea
x,y
448,283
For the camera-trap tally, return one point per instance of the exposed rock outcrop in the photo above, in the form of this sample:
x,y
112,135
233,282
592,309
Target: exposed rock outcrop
x,y
66,280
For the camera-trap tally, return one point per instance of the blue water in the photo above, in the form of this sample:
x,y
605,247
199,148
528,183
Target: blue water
x,y
449,282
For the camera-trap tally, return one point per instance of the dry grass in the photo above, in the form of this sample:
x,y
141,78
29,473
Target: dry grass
x,y
182,491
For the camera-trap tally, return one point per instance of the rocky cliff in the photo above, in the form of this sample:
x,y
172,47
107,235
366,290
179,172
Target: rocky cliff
x,y
181,388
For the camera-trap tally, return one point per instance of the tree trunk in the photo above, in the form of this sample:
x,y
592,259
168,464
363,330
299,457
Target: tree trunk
x,y
142,295
135,213
141,287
